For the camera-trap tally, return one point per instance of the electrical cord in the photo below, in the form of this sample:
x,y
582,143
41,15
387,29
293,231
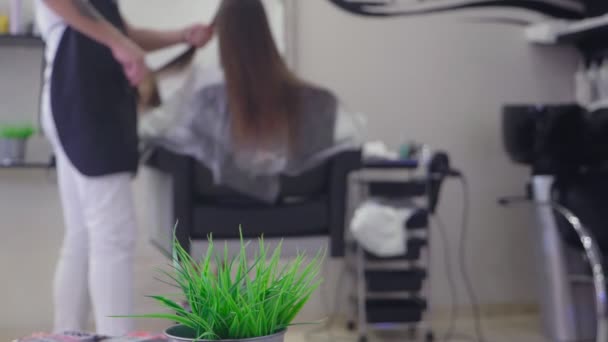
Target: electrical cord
x,y
449,271
462,257
450,333
440,165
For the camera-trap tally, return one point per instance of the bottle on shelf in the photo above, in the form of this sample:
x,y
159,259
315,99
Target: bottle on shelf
x,y
16,17
407,149
4,29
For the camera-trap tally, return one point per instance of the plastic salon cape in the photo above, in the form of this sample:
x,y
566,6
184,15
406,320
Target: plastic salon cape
x,y
195,122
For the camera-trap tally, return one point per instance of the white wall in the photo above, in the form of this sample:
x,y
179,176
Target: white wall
x,y
442,79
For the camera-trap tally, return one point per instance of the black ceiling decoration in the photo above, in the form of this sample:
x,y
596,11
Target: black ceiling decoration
x,y
562,9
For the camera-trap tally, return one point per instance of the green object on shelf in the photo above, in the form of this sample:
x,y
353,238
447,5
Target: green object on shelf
x,y
405,151
16,132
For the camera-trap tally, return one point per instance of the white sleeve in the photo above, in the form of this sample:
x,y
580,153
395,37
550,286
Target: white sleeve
x,y
157,122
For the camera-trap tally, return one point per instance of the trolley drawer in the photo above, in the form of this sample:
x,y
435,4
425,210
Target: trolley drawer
x,y
395,281
395,311
413,188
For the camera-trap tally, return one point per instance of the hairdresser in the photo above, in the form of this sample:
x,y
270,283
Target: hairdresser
x,y
94,61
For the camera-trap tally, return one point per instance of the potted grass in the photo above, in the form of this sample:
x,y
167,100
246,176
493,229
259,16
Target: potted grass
x,y
234,298
13,141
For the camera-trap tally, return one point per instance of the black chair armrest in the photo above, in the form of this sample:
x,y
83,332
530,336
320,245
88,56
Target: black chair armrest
x,y
341,166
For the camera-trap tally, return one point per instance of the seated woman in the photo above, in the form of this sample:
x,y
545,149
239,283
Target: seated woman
x,y
253,119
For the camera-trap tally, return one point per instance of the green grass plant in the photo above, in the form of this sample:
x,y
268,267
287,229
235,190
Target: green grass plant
x,y
234,297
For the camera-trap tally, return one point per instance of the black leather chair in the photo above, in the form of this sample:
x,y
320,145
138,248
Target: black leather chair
x,y
312,204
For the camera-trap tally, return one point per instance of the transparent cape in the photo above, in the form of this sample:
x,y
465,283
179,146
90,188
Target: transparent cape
x,y
195,122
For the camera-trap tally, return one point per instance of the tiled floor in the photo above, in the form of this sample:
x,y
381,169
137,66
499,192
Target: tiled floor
x,y
511,329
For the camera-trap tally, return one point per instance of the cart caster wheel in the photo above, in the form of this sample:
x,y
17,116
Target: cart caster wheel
x,y
430,337
412,334
351,326
363,339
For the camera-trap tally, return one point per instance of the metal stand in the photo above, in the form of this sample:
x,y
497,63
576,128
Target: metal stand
x,y
565,310
594,257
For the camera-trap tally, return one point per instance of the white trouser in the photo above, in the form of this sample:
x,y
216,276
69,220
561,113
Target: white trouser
x,y
96,260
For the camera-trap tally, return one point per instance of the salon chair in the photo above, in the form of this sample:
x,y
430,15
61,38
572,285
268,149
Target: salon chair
x,y
567,151
310,205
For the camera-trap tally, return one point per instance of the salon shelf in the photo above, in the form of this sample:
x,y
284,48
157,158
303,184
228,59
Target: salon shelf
x,y
584,29
20,40
562,32
29,165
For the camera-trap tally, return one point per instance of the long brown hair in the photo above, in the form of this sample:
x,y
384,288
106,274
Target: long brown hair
x,y
262,91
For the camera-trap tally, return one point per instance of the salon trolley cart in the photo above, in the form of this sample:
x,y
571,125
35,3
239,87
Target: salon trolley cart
x,y
393,293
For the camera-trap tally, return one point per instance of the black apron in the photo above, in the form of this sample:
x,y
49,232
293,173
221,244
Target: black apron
x,y
93,104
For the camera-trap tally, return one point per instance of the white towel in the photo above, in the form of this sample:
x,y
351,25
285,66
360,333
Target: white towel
x,y
379,228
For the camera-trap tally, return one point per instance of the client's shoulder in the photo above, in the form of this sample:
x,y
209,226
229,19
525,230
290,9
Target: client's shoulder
x,y
207,76
316,96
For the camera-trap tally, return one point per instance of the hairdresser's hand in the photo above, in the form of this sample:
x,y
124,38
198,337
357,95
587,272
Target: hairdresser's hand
x,y
198,35
132,58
